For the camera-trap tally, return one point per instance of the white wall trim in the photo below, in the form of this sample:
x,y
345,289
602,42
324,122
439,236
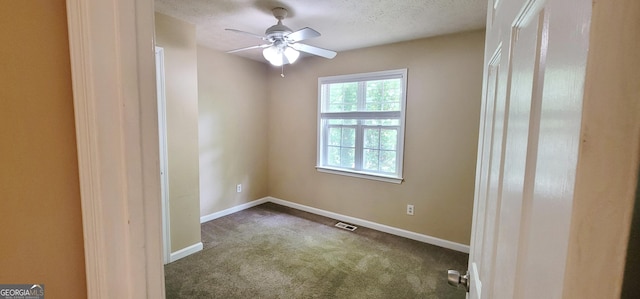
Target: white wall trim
x,y
232,210
184,252
373,225
117,142
357,221
164,162
88,150
353,220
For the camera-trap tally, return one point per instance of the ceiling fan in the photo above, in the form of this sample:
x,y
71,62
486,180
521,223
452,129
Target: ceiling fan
x,y
283,44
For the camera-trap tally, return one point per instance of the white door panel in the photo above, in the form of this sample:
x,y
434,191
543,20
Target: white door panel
x,y
528,146
520,140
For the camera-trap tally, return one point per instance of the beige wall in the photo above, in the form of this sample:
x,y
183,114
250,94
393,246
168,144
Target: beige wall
x,y
443,108
181,87
259,130
233,130
40,215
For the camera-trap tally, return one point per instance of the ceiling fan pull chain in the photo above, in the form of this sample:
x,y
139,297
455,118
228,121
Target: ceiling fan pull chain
x,y
282,71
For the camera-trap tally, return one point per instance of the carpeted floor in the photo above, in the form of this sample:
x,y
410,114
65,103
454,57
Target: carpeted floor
x,y
271,251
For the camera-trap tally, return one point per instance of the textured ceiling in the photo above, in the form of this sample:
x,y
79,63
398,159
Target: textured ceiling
x,y
344,24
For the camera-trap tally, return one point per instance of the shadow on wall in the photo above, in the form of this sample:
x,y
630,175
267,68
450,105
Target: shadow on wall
x,y
630,285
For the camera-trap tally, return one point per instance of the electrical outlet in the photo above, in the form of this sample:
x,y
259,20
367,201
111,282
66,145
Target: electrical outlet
x,y
239,188
409,209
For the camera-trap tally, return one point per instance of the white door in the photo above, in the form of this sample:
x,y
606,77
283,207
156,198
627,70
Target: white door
x,y
535,59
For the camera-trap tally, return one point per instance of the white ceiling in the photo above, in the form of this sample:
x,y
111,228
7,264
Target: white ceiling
x,y
344,24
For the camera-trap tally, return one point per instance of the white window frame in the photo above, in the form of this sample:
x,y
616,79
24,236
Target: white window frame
x,y
323,129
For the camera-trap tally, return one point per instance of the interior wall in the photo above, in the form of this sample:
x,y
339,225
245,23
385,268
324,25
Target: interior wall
x,y
178,39
233,130
41,222
443,109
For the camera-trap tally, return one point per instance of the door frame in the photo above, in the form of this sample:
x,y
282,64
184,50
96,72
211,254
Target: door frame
x,y
118,148
111,45
164,158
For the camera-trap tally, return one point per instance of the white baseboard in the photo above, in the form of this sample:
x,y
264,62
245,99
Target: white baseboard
x,y
357,221
379,227
232,210
184,252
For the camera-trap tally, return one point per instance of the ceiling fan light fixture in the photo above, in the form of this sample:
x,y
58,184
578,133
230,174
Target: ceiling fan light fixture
x,y
276,56
273,55
291,54
283,45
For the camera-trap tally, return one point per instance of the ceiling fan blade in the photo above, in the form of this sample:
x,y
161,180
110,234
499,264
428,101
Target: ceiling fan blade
x,y
314,50
302,34
248,33
249,48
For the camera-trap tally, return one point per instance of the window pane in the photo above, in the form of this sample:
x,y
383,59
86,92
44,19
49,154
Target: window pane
x,y
374,90
348,157
388,139
392,90
348,137
388,161
373,107
372,138
371,161
335,135
374,96
391,106
343,97
383,95
333,156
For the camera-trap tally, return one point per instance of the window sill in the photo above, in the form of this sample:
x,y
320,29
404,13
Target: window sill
x,y
361,175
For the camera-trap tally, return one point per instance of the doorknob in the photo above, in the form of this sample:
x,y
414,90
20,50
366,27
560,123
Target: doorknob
x,y
457,280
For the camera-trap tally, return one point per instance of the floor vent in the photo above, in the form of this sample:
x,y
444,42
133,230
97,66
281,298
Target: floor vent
x,y
348,227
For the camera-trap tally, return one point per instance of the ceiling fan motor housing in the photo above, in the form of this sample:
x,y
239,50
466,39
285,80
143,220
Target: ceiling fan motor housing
x,y
278,31
280,13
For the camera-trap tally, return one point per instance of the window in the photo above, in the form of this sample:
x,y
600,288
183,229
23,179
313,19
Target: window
x,y
361,124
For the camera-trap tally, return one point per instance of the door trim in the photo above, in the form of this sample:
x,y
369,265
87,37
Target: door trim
x,y
164,161
116,122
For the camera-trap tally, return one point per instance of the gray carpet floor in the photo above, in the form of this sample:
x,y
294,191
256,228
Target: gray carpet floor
x,y
272,251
